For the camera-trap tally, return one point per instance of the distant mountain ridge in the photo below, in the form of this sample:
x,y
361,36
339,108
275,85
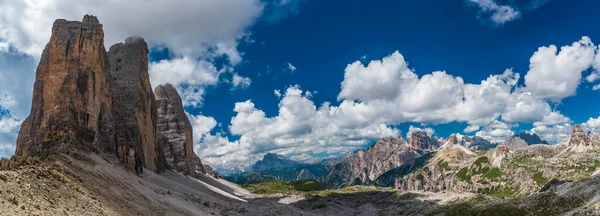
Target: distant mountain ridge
x,y
531,138
458,163
278,167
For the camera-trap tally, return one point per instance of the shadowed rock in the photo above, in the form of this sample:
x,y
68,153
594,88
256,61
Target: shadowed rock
x,y
136,114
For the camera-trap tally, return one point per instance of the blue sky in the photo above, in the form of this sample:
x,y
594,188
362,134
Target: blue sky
x,y
255,75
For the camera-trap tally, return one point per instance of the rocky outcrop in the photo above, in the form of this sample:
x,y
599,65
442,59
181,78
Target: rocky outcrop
x,y
366,166
579,140
420,140
72,102
86,99
205,168
498,154
136,115
532,138
578,136
515,142
174,125
477,143
453,139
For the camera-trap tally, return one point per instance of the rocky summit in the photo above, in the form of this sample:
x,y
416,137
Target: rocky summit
x,y
174,125
87,99
272,162
366,166
72,98
420,140
531,138
135,108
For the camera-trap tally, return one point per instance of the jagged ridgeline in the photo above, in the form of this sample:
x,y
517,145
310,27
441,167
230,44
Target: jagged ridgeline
x,y
87,99
523,165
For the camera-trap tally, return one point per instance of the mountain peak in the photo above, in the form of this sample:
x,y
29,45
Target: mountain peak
x,y
531,138
420,140
272,161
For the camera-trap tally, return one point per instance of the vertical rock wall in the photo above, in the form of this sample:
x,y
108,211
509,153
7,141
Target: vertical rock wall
x,y
71,98
87,99
174,125
136,115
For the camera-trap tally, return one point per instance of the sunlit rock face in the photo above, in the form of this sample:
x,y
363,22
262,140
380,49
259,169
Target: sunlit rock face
x,y
420,140
174,125
72,101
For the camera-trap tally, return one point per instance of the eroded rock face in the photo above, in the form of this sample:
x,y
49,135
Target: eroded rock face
x,y
453,139
578,136
175,126
420,140
477,143
72,101
515,142
135,114
366,166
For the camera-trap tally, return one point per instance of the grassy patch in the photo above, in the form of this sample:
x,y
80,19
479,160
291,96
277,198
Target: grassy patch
x,y
462,175
348,190
504,192
481,160
307,185
285,187
420,177
443,164
540,179
493,174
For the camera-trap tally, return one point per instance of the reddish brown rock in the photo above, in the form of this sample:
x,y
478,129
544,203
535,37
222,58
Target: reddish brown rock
x,y
420,140
174,125
453,139
136,115
72,101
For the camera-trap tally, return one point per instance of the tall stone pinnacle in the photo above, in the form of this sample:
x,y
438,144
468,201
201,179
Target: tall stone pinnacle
x,y
72,101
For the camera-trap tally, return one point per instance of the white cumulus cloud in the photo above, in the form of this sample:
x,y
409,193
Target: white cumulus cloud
x,y
555,74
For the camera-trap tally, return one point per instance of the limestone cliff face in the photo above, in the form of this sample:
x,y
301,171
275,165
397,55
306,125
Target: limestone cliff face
x,y
175,126
87,99
136,115
420,140
366,166
515,142
72,101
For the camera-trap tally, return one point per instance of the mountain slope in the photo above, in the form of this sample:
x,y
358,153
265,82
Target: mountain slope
x,y
522,170
272,162
365,166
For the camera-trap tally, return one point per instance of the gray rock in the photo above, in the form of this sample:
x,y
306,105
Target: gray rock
x,y
364,167
477,143
515,142
136,114
174,125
